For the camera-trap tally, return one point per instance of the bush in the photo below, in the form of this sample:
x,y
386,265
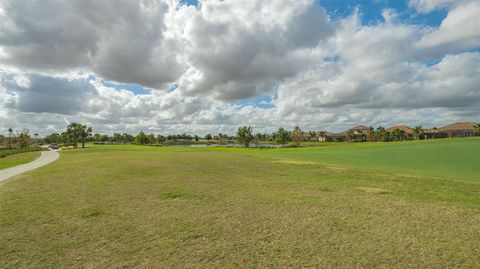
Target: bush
x,y
7,152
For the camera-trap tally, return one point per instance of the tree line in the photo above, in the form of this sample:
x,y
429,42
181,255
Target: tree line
x,y
17,139
79,133
76,133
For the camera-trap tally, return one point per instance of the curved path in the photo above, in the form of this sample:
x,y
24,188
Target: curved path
x,y
44,159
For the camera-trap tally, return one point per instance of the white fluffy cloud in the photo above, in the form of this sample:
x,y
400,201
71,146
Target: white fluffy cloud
x,y
427,6
206,63
125,41
460,29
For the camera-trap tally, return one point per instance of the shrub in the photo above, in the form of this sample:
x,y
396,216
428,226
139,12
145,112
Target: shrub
x,y
7,152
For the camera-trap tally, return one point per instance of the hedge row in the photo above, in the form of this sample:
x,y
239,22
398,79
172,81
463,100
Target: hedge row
x,y
7,152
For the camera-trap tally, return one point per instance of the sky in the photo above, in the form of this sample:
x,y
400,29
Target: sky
x,y
209,66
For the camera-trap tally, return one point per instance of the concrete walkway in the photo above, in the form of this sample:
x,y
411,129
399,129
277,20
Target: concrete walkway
x,y
44,159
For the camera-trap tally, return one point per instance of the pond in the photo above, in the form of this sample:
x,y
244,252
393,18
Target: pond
x,y
232,145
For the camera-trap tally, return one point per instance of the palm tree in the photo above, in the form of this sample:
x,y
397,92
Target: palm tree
x,y
351,135
417,132
381,134
371,134
398,135
73,133
10,133
322,135
85,133
297,135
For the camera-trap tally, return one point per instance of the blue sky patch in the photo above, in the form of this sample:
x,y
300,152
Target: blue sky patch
x,y
190,2
136,89
371,11
263,102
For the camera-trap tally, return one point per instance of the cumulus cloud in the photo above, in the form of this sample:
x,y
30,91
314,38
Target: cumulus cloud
x,y
204,62
426,6
39,94
126,41
239,49
460,29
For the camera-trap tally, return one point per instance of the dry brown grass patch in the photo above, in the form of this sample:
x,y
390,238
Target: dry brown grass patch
x,y
337,168
373,190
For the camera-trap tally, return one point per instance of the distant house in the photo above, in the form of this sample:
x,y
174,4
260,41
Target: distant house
x,y
321,136
408,132
458,129
311,136
360,133
335,137
433,133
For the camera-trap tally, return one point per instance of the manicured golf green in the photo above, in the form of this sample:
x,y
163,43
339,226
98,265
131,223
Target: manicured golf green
x,y
409,204
17,159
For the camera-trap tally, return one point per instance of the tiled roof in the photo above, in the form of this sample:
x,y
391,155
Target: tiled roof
x,y
458,126
360,127
404,128
430,131
336,134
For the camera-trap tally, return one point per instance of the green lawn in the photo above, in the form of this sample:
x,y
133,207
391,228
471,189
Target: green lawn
x,y
444,158
412,204
16,159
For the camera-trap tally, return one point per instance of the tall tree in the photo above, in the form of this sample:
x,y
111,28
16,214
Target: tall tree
x,y
161,138
152,139
52,138
64,138
97,137
258,137
381,134
78,133
282,136
477,128
24,138
417,132
74,130
322,135
351,135
371,134
117,137
398,135
244,135
128,138
85,133
141,138
297,135
10,134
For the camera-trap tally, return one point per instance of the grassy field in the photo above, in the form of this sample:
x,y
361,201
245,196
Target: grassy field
x,y
16,159
409,204
444,158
